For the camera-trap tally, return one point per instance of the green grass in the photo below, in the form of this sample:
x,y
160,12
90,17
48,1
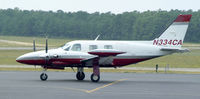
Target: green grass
x,y
55,42
177,60
51,41
2,44
191,45
8,57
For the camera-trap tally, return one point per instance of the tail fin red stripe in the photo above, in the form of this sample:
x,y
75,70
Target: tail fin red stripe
x,y
183,18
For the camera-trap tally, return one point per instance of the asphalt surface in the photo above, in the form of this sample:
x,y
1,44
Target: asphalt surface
x,y
196,70
63,85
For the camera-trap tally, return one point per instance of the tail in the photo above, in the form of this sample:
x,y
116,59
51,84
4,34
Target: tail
x,y
174,35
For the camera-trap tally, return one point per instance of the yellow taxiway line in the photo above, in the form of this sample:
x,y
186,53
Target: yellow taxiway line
x,y
101,87
89,91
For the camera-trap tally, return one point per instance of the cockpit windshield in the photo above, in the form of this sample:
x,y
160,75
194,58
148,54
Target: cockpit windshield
x,y
71,46
66,47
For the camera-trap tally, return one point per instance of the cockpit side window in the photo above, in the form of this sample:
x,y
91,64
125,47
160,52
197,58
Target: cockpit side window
x,y
67,49
76,47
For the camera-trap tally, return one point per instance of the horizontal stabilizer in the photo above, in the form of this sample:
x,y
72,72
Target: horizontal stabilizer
x,y
181,50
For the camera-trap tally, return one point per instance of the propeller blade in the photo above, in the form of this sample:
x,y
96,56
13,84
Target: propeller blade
x,y
34,49
46,48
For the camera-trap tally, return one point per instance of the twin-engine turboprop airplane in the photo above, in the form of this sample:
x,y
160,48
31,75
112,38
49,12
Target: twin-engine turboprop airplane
x,y
99,53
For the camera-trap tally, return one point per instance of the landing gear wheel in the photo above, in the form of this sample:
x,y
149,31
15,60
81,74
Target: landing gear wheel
x,y
80,75
43,76
95,78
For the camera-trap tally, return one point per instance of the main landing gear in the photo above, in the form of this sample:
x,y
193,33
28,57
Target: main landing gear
x,y
95,77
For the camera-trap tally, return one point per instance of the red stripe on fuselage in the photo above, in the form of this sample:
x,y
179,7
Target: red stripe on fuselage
x,y
58,61
32,62
122,62
67,62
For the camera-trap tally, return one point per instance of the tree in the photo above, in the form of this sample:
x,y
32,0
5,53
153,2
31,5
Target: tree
x,y
133,25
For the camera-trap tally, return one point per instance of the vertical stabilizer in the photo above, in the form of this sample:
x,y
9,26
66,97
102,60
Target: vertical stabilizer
x,y
174,35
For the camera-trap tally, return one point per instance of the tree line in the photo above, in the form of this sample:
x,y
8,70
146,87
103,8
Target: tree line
x,y
133,25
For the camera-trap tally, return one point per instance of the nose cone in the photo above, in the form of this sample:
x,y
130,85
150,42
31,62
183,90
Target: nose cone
x,y
21,59
26,58
32,58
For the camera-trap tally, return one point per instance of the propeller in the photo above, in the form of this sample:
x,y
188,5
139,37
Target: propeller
x,y
46,47
34,48
46,51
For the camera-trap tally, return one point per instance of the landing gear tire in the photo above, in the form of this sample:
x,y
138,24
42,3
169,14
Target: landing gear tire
x,y
43,76
80,75
95,78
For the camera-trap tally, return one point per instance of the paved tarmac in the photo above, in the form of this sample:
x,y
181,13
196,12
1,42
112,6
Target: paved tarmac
x,y
196,70
63,85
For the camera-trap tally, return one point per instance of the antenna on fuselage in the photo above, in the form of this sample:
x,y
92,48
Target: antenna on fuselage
x,y
96,38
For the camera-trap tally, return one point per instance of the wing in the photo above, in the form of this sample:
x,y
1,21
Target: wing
x,y
105,52
103,56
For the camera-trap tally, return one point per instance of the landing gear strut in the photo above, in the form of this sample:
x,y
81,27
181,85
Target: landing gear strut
x,y
80,74
44,76
95,77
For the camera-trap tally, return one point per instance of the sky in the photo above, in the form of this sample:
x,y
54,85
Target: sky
x,y
102,6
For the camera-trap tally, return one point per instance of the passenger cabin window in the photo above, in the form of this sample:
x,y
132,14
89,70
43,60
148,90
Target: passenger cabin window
x,y
92,47
108,47
76,47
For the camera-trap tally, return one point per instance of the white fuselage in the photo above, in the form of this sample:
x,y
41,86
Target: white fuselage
x,y
73,53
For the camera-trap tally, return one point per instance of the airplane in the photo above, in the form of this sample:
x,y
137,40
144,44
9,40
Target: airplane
x,y
107,53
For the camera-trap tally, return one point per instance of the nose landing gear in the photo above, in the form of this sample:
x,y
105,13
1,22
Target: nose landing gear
x,y
80,74
43,76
